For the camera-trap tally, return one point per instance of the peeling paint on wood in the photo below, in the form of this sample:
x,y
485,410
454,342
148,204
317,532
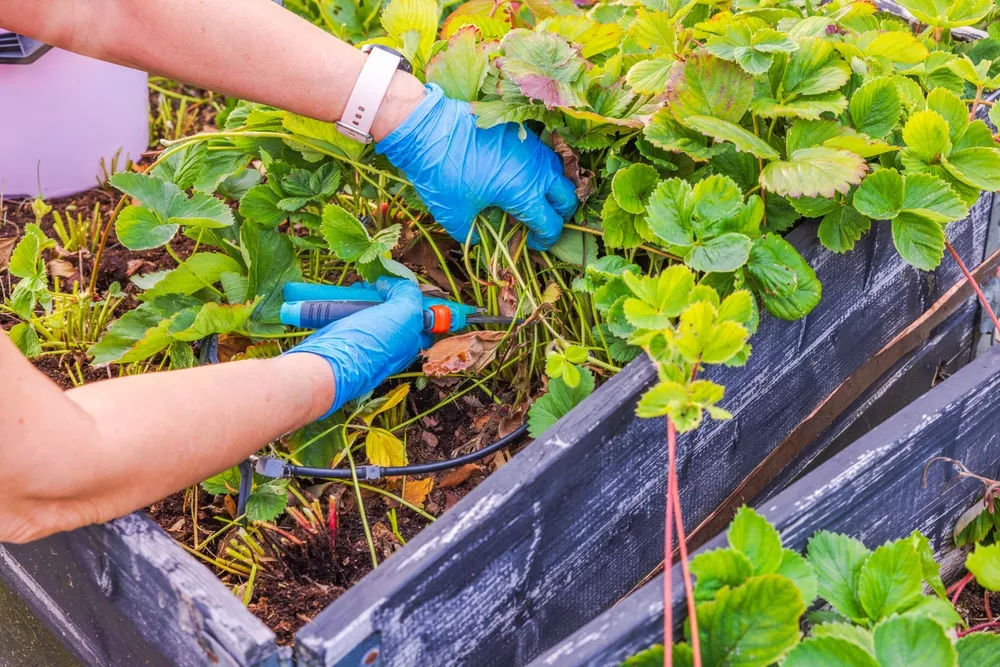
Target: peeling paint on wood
x,y
126,594
872,490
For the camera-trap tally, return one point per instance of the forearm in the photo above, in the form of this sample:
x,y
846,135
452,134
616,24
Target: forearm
x,y
105,449
251,49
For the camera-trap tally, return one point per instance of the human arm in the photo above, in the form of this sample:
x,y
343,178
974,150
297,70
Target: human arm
x,y
250,49
97,452
258,51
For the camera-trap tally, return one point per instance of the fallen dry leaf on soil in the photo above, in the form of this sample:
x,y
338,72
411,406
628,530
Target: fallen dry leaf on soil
x,y
470,352
6,248
459,476
177,527
416,491
583,179
512,420
133,266
429,438
61,268
230,505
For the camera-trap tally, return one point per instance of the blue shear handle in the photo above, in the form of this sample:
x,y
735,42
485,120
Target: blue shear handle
x,y
318,314
311,292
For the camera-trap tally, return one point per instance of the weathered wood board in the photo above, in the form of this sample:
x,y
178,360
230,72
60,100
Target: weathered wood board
x,y
575,521
872,490
125,593
949,348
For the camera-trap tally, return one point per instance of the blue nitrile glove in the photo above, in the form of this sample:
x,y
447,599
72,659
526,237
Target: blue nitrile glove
x,y
458,169
367,347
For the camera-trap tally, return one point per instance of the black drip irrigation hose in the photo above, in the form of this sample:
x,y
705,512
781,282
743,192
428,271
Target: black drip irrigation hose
x,y
275,468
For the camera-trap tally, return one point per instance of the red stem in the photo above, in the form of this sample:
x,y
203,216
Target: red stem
x,y
975,286
668,565
986,604
682,541
978,628
960,587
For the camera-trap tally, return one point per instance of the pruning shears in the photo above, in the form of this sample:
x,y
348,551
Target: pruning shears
x,y
311,306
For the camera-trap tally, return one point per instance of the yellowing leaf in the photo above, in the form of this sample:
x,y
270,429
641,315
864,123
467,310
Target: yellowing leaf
x,y
419,17
384,449
592,37
814,172
461,68
708,86
416,491
385,403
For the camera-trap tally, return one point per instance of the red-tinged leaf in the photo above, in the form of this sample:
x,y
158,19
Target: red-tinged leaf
x,y
545,67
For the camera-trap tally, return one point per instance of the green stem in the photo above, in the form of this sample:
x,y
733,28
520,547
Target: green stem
x,y
361,505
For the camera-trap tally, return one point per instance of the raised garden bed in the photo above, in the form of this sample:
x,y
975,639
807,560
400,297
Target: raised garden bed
x,y
874,490
572,523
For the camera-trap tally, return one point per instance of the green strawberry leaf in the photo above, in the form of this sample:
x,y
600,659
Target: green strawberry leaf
x,y
139,228
913,640
663,131
707,86
880,195
723,253
200,270
756,623
658,299
890,581
984,563
260,204
796,568
918,240
948,13
829,651
838,561
752,535
633,185
842,227
461,68
557,402
782,278
717,568
979,650
721,130
855,634
926,136
268,501
875,107
978,167
649,77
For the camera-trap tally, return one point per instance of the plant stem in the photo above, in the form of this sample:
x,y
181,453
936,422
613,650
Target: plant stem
x,y
391,496
668,564
104,242
682,541
972,281
979,628
361,506
597,232
959,587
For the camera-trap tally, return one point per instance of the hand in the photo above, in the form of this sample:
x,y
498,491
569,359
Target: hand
x,y
367,347
458,169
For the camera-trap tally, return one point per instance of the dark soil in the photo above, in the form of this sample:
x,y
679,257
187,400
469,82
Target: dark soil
x,y
302,580
971,605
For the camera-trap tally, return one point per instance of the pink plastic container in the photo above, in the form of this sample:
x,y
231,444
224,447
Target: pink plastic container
x,y
60,115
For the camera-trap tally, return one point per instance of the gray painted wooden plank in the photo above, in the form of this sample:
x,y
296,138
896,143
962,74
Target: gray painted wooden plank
x,y
872,490
125,593
947,350
574,521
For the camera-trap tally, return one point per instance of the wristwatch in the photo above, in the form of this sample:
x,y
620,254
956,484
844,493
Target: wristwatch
x,y
369,91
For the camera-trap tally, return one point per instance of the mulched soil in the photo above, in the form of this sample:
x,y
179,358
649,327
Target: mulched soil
x,y
971,605
289,592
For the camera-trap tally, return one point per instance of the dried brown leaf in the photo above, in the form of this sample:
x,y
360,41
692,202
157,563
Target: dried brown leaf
x,y
231,345
582,178
470,352
230,505
133,266
61,268
429,438
177,527
512,420
459,476
6,248
416,490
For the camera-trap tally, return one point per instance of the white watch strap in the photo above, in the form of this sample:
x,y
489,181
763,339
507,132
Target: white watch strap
x,y
366,98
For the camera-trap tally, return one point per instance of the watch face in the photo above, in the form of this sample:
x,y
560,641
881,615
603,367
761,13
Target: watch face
x,y
404,64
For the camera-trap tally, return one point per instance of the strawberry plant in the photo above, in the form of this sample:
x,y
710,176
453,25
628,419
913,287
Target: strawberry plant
x,y
752,598
696,133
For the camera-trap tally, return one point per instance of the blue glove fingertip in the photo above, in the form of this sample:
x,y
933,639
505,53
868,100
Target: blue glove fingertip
x,y
562,196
